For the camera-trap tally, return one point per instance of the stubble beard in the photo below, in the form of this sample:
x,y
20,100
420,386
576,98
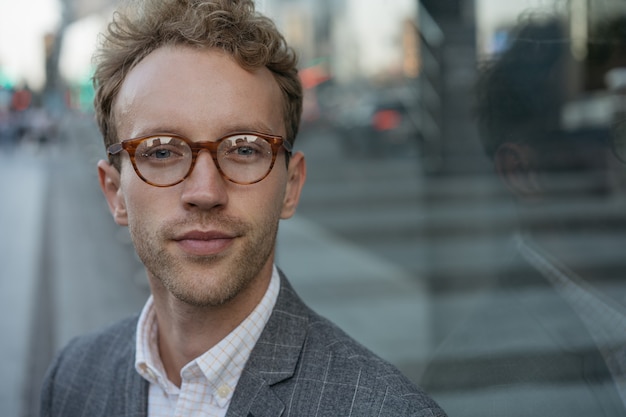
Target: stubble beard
x,y
206,281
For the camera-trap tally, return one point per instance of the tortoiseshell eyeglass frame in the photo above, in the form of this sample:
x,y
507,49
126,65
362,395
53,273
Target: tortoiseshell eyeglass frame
x,y
131,145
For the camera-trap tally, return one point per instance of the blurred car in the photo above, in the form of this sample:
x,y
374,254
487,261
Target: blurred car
x,y
379,123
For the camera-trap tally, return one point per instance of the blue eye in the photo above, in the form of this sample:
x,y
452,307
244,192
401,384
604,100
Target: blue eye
x,y
245,150
162,153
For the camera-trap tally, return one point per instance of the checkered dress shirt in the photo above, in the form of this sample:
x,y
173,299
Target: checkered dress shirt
x,y
208,382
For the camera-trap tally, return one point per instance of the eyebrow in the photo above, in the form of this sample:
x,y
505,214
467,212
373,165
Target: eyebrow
x,y
254,126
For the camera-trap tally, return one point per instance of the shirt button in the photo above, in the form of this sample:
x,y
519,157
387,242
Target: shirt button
x,y
223,391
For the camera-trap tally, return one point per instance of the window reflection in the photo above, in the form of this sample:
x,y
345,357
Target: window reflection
x,y
547,334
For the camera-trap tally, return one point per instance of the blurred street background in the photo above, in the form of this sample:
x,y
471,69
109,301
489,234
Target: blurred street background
x,y
402,225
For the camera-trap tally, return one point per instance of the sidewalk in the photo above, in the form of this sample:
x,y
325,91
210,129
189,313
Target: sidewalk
x,y
21,218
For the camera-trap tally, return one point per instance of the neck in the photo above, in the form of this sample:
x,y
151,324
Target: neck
x,y
185,332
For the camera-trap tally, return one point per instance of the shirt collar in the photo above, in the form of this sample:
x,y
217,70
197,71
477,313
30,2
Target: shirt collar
x,y
222,365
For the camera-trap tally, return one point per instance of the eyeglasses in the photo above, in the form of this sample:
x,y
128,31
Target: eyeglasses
x,y
164,160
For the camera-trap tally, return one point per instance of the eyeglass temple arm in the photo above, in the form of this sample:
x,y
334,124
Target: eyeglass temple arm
x,y
288,146
115,149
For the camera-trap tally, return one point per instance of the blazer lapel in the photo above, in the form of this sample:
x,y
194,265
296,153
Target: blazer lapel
x,y
273,359
135,389
263,403
136,398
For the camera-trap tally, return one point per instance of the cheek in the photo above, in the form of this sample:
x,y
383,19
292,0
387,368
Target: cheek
x,y
264,204
142,200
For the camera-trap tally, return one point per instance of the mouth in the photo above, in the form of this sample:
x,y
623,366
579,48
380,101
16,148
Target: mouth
x,y
204,243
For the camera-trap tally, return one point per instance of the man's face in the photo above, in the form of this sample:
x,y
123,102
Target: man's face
x,y
206,239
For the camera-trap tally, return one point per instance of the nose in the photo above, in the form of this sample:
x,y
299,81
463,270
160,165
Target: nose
x,y
204,188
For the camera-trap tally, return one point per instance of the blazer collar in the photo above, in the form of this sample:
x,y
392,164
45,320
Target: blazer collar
x,y
274,358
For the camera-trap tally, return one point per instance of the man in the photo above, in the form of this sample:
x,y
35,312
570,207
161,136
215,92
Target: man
x,y
550,337
199,104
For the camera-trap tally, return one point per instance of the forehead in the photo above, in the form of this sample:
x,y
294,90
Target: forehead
x,y
187,90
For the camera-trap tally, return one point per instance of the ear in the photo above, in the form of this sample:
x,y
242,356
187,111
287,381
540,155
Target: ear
x,y
296,173
514,163
109,178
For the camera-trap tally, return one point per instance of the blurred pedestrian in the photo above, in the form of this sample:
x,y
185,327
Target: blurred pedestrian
x,y
6,126
199,104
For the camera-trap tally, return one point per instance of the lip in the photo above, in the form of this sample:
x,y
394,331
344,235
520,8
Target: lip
x,y
204,243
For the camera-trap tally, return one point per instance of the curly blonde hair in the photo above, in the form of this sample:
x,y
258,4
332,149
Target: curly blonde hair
x,y
234,26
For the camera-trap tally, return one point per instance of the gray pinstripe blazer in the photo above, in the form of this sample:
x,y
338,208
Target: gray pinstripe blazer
x,y
302,365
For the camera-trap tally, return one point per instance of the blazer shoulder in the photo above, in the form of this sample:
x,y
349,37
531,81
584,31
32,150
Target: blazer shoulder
x,y
93,373
103,346
326,340
333,359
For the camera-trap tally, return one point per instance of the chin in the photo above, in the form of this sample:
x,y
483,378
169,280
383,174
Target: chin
x,y
209,289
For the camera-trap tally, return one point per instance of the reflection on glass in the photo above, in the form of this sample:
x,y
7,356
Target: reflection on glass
x,y
547,336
